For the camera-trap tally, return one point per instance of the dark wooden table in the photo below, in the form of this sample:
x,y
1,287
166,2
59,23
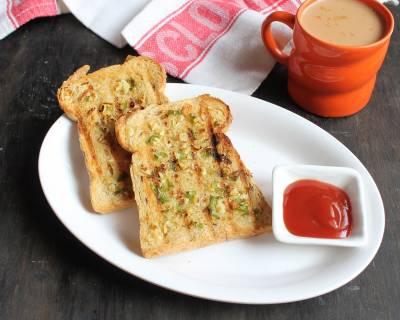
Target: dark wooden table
x,y
45,273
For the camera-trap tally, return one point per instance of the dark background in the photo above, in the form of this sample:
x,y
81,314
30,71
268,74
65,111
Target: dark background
x,y
45,273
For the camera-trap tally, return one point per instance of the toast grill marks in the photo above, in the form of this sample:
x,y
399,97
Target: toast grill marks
x,y
111,161
168,177
237,183
96,121
202,170
190,182
232,197
213,185
178,185
230,193
251,213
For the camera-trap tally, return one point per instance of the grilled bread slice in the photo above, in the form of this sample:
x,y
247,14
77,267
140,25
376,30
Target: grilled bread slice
x,y
95,101
190,184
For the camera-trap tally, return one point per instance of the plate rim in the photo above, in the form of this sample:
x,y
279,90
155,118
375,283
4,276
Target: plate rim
x,y
351,275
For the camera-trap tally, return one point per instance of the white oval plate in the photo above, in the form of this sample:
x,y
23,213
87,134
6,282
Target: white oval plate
x,y
256,270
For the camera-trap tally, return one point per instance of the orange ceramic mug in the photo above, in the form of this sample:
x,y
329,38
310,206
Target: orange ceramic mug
x,y
327,79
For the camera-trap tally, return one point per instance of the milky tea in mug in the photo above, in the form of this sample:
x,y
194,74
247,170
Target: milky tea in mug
x,y
343,22
337,49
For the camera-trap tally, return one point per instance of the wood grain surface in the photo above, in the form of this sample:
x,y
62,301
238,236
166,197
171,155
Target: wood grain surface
x,y
45,273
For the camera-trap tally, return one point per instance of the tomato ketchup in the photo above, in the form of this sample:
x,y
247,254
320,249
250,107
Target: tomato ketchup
x,y
317,209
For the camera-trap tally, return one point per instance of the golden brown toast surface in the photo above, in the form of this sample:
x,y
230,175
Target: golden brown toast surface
x,y
190,185
95,101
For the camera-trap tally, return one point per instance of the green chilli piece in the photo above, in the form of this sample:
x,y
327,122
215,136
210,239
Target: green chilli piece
x,y
169,185
119,190
243,207
131,83
207,152
174,112
192,117
163,197
153,138
200,225
125,106
181,155
190,195
160,155
160,195
172,165
88,98
216,188
213,206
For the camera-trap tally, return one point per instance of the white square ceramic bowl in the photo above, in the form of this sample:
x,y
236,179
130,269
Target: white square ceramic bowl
x,y
347,179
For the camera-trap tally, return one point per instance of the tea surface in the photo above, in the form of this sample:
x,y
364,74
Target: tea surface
x,y
343,22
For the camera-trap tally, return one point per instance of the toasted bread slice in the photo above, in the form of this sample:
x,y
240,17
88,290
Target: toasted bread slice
x,y
190,185
95,101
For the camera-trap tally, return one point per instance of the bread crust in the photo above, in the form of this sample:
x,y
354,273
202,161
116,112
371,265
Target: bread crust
x,y
95,100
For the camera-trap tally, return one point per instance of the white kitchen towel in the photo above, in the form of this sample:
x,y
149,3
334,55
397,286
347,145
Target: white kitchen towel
x,y
15,13
106,18
209,42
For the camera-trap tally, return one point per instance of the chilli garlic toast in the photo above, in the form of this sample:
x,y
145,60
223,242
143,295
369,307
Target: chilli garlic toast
x,y
95,101
190,185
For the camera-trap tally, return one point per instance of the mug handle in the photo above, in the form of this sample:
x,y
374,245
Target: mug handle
x,y
268,38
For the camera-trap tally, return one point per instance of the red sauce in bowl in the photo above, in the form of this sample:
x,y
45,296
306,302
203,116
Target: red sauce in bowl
x,y
316,209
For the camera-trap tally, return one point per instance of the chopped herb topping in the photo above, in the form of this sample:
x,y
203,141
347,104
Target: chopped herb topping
x,y
244,210
181,155
160,155
163,197
207,152
120,190
125,106
172,165
174,112
89,97
215,187
169,185
190,195
109,110
131,82
123,86
160,194
213,207
154,188
192,118
153,138
242,206
200,225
